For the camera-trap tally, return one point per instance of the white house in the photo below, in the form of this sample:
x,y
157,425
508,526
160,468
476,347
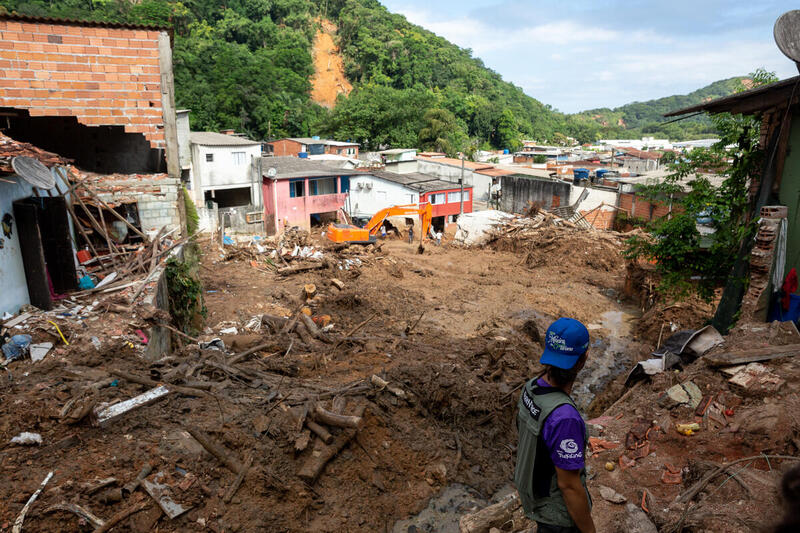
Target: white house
x,y
400,160
224,170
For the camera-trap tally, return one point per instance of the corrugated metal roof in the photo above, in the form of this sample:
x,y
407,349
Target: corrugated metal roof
x,y
395,151
212,138
414,180
293,167
327,142
78,22
747,102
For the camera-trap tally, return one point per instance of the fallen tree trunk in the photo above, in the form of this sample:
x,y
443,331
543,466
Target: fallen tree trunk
x,y
313,329
320,431
493,516
323,453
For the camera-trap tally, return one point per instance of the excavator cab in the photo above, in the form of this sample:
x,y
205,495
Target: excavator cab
x,y
368,234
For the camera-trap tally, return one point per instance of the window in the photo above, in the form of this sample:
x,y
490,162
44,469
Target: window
x,y
239,158
466,196
351,151
322,186
229,197
345,184
297,188
453,197
438,198
209,158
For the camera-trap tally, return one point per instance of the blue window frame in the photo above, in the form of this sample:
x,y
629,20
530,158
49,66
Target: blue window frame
x,y
297,188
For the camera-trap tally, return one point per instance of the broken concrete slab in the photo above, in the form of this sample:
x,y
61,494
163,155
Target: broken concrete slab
x,y
40,351
685,394
636,521
755,378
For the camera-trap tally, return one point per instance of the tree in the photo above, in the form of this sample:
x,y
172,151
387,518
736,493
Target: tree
x,y
442,132
688,263
508,135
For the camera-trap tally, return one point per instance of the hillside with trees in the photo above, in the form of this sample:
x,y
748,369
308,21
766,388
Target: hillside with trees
x,y
247,65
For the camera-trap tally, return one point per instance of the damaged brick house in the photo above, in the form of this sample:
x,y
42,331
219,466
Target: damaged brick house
x,y
774,198
101,96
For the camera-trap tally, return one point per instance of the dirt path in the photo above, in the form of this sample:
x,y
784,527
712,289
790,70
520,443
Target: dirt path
x,y
329,80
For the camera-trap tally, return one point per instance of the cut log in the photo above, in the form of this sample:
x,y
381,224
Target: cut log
x,y
320,431
493,516
309,290
321,414
337,283
754,355
323,453
313,329
216,449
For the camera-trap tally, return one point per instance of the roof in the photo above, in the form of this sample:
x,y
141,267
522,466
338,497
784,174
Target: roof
x,y
641,154
309,140
494,172
77,22
397,151
11,148
289,167
212,138
749,102
456,162
414,180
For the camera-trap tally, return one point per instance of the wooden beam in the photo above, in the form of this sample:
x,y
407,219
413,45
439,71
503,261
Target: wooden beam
x,y
753,355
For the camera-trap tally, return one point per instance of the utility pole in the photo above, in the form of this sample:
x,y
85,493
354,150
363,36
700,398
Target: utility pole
x,y
461,182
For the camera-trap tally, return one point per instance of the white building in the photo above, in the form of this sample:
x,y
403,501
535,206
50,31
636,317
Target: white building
x,y
645,142
224,170
400,160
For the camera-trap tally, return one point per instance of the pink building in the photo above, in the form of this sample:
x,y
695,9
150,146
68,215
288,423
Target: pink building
x,y
301,192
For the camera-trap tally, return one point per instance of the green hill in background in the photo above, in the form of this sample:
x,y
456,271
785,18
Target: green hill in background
x,y
247,65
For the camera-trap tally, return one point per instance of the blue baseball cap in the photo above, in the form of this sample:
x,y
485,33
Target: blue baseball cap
x,y
565,342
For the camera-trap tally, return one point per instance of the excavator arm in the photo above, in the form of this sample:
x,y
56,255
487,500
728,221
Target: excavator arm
x,y
347,233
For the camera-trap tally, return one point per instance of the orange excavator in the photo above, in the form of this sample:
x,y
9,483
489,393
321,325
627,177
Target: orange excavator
x,y
367,234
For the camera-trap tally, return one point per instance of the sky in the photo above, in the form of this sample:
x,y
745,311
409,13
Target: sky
x,y
584,54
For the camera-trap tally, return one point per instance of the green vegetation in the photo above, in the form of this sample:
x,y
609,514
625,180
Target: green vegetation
x,y
192,218
186,306
675,243
247,65
647,118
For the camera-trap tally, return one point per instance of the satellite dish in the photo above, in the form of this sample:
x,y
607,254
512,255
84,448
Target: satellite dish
x,y
271,173
34,172
787,35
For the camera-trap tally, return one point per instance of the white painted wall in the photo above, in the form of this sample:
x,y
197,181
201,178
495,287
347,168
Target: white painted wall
x,y
596,198
480,183
223,172
402,167
366,202
13,285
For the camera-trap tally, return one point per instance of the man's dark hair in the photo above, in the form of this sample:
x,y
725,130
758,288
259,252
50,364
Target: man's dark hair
x,y
561,377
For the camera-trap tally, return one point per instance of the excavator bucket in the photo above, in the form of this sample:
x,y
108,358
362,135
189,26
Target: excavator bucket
x,y
348,233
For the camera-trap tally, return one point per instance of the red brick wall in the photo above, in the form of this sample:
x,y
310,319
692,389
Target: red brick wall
x,y
102,76
600,218
644,209
285,147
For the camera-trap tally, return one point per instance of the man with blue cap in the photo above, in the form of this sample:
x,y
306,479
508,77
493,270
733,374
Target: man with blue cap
x,y
550,474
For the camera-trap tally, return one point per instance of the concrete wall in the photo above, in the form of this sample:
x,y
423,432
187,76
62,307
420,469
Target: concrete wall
x,y
99,75
156,198
402,167
223,172
13,285
383,193
184,146
517,191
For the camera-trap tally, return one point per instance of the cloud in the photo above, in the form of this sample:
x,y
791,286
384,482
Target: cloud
x,y
591,55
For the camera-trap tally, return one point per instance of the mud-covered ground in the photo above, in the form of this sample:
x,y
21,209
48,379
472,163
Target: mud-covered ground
x,y
458,330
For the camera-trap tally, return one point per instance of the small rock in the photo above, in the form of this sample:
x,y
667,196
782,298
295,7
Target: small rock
x,y
686,394
610,495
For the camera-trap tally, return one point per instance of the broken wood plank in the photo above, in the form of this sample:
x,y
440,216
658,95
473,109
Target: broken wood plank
x,y
321,414
113,412
229,494
490,517
74,508
216,449
322,453
753,355
21,518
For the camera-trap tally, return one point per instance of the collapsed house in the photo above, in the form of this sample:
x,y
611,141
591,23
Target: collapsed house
x,y
100,95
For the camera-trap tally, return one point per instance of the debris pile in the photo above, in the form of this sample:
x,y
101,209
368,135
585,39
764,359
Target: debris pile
x,y
11,148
